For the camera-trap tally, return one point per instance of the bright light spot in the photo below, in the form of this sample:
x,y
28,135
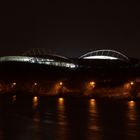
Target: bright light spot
x,y
131,83
131,101
14,84
101,57
61,83
35,84
131,104
92,84
92,102
35,102
72,66
132,112
61,101
61,105
35,99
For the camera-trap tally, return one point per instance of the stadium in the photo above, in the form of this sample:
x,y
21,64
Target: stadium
x,y
106,68
102,61
61,61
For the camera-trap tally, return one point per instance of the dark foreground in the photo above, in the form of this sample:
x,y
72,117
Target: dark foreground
x,y
42,118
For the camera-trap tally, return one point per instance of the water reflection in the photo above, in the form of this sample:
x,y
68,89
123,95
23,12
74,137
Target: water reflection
x,y
35,102
61,101
131,104
93,122
13,98
36,124
68,119
131,119
92,109
61,112
61,120
92,103
131,110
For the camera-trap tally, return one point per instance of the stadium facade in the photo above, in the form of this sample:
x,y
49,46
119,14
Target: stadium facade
x,y
99,63
60,61
36,72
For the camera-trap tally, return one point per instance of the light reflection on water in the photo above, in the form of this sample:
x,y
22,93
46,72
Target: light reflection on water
x,y
61,112
92,109
61,126
93,124
132,112
132,119
35,102
68,119
61,102
36,116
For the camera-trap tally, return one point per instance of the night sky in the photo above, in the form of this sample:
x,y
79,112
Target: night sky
x,y
70,28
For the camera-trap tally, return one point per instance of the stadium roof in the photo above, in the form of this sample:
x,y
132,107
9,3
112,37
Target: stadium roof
x,y
105,54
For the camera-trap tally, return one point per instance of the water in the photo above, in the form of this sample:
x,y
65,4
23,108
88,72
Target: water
x,y
40,118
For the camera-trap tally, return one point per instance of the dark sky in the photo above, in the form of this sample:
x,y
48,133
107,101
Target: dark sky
x,y
70,28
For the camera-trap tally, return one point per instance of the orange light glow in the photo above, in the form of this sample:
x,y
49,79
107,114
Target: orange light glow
x,y
35,99
131,104
132,112
127,86
61,101
92,102
35,102
92,84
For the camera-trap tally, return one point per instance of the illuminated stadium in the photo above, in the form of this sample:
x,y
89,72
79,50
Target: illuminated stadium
x,y
96,61
106,67
52,60
105,54
40,57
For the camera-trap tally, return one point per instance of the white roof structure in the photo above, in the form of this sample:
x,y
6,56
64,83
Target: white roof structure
x,y
38,60
105,54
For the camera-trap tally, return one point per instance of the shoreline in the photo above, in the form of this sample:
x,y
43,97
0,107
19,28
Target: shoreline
x,y
103,98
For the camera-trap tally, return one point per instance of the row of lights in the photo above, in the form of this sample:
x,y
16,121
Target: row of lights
x,y
92,84
61,101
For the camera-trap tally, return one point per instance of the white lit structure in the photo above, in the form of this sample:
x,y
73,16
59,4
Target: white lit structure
x,y
39,60
101,57
105,55
60,61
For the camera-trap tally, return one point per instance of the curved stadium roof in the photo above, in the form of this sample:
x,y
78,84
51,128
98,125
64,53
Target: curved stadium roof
x,y
53,60
40,56
105,54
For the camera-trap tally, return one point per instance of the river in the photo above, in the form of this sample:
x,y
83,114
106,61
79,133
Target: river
x,y
42,118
